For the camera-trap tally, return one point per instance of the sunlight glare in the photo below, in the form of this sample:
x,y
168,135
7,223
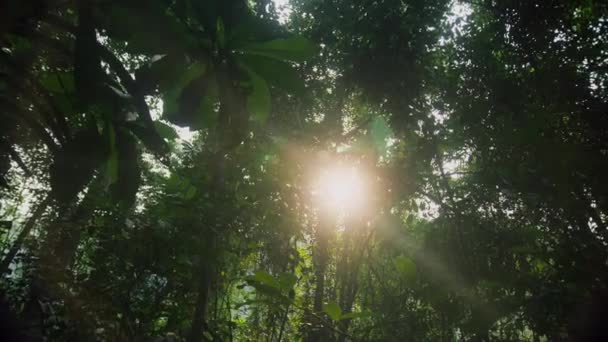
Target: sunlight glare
x,y
340,189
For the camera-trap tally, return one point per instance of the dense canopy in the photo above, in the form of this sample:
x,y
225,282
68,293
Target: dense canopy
x,y
304,170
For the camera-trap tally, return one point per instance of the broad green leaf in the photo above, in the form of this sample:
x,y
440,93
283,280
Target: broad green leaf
x,y
165,131
220,33
333,310
406,267
193,101
380,132
277,73
354,315
58,82
190,193
167,72
296,49
194,70
258,101
265,278
208,335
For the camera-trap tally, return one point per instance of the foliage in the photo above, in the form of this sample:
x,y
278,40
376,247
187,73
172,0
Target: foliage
x,y
160,162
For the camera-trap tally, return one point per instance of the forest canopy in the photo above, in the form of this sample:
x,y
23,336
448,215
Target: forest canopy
x,y
303,170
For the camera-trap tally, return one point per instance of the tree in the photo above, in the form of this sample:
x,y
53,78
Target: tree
x,y
162,164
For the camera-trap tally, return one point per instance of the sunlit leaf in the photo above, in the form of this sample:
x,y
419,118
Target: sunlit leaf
x,y
333,310
258,101
406,267
265,278
355,315
380,132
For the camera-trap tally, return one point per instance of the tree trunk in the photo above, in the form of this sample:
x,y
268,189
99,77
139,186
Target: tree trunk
x,y
320,259
198,321
208,256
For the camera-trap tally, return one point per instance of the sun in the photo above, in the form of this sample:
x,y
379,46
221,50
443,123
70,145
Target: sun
x,y
340,188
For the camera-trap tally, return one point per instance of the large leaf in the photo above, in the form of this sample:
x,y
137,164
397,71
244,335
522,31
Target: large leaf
x,y
333,310
258,100
193,100
278,73
220,33
296,49
406,267
167,72
265,278
355,315
380,132
58,82
165,131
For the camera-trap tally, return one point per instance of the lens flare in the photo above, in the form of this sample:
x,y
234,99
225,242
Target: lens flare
x,y
340,189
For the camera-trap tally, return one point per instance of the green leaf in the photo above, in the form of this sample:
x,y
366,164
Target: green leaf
x,y
220,33
258,101
208,335
296,49
194,71
166,72
193,102
333,310
287,281
406,267
277,73
190,193
380,132
265,278
165,131
355,315
58,82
